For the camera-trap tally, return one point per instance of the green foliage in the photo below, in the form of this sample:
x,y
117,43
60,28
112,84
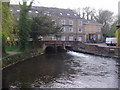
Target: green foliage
x,y
42,26
104,17
7,25
23,26
112,30
117,34
12,48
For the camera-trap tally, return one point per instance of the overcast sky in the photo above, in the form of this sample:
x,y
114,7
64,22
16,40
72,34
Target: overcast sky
x,y
111,5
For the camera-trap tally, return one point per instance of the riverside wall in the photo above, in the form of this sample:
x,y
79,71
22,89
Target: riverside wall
x,y
97,50
11,60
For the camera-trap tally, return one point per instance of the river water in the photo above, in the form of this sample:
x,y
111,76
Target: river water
x,y
63,70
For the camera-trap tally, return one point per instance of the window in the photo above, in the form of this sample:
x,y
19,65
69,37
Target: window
x,y
44,13
54,21
79,38
64,29
40,37
61,14
36,11
70,22
80,23
99,36
70,38
17,19
11,10
30,11
71,29
63,22
53,38
75,14
79,29
48,14
99,29
63,38
18,10
68,14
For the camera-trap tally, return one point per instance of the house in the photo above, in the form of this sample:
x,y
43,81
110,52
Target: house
x,y
74,27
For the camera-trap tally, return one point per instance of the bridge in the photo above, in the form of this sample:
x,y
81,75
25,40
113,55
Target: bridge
x,y
57,46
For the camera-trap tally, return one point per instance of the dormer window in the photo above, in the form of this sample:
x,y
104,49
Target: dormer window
x,y
36,11
61,14
75,14
18,10
68,14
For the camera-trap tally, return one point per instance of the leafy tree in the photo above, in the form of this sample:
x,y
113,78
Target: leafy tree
x,y
112,30
42,26
23,25
104,17
7,25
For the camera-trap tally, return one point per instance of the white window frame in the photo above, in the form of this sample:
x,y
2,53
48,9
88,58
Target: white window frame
x,y
61,14
68,14
79,30
30,11
63,38
79,38
99,36
53,38
70,29
36,12
18,10
80,23
63,22
70,22
71,38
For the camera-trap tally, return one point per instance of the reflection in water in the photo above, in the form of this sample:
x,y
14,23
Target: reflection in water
x,y
66,70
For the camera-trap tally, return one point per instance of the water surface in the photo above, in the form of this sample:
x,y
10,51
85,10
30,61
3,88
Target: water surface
x,y
65,70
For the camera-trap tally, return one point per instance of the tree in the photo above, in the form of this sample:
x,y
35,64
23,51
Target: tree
x,y
42,26
112,30
23,25
7,25
87,11
104,17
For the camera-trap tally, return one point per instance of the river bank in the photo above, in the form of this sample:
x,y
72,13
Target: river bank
x,y
113,52
19,57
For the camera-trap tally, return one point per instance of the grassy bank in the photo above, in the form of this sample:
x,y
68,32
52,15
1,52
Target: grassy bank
x,y
19,56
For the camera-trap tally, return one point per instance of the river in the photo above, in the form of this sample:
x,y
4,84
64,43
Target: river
x,y
63,70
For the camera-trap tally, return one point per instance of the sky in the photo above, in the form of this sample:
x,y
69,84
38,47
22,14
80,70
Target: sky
x,y
111,5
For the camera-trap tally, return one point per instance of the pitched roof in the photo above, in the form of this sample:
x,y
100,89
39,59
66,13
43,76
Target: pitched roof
x,y
55,11
90,22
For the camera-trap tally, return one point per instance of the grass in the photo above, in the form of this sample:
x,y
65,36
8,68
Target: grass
x,y
12,48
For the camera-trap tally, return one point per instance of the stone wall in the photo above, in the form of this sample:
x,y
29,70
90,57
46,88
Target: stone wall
x,y
10,60
97,50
